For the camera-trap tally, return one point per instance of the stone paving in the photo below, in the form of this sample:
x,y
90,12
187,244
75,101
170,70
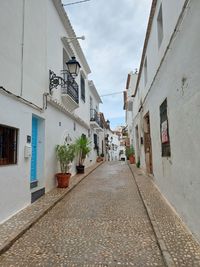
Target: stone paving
x,y
102,222
174,238
13,228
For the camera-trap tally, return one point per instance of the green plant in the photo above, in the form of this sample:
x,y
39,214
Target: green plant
x,y
65,155
130,151
82,148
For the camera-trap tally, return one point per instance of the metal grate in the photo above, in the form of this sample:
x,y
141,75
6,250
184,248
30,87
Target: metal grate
x,y
165,142
8,145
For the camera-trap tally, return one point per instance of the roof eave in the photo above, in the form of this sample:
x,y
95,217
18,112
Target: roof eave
x,y
68,26
148,32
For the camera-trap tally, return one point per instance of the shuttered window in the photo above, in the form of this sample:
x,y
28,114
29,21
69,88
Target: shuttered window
x,y
82,88
164,130
8,145
95,141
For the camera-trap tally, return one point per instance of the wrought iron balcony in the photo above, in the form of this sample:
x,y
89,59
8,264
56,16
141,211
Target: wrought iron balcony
x,y
94,115
69,88
95,121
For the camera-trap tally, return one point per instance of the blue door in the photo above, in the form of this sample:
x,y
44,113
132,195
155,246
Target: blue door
x,y
34,149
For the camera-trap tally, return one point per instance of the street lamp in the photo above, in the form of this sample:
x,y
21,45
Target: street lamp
x,y
73,66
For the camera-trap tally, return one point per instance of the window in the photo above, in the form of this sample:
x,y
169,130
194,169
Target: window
x,y
91,103
96,143
82,88
145,72
160,26
8,145
164,130
65,59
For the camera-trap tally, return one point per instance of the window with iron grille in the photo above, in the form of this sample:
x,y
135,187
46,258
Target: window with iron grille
x,y
8,145
82,88
164,130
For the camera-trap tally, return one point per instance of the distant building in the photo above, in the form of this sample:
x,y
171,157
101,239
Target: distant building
x,y
128,107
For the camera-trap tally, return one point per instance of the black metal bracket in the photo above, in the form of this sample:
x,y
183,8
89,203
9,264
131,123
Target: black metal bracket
x,y
55,81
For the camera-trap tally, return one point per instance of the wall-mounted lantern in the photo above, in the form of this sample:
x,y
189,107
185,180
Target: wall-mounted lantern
x,y
73,66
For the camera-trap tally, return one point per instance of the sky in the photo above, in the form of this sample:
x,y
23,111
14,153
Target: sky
x,y
114,32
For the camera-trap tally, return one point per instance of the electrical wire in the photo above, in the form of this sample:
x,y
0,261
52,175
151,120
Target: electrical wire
x,y
116,93
74,3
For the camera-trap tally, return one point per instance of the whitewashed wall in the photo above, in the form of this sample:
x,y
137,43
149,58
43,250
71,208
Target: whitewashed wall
x,y
15,192
59,125
178,176
55,46
27,75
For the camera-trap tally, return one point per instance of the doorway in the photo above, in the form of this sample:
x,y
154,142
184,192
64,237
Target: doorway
x,y
137,143
34,155
147,144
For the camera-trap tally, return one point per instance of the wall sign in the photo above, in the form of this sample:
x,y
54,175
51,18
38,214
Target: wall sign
x,y
164,132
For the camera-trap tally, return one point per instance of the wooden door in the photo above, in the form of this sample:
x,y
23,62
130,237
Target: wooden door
x,y
147,144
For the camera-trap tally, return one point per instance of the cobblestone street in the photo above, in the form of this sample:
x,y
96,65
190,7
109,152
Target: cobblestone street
x,y
102,222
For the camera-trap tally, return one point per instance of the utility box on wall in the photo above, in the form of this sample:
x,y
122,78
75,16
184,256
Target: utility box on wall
x,y
27,151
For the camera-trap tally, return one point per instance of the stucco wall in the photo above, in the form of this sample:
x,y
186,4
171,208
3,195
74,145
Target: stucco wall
x,y
178,80
59,125
32,53
23,49
15,191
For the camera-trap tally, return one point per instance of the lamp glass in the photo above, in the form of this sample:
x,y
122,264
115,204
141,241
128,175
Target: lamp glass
x,y
73,66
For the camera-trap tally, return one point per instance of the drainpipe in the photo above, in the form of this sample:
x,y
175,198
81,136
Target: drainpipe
x,y
22,47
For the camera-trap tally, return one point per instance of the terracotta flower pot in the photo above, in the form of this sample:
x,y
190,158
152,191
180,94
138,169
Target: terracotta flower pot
x,y
63,179
132,159
99,159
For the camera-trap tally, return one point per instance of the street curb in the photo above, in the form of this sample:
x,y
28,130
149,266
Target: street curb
x,y
13,238
166,255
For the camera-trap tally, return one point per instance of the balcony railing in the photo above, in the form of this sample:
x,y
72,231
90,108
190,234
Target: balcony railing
x,y
66,82
94,116
70,87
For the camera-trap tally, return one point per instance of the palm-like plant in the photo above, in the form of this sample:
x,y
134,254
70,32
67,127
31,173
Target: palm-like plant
x,y
82,148
65,155
130,151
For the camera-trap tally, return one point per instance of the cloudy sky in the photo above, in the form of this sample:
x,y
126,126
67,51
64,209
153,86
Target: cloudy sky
x,y
114,31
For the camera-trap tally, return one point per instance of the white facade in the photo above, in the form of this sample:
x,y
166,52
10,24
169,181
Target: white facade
x,y
170,71
128,104
33,41
96,126
114,146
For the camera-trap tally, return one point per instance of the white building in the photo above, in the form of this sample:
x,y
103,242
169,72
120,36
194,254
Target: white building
x,y
166,106
41,105
128,104
96,132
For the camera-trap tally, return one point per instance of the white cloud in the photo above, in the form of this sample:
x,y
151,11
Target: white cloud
x,y
114,31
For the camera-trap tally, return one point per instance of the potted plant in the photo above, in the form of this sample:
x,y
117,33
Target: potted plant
x,y
130,154
82,148
65,155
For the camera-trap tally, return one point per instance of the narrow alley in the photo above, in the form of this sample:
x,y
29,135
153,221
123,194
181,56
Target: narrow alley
x,y
102,222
